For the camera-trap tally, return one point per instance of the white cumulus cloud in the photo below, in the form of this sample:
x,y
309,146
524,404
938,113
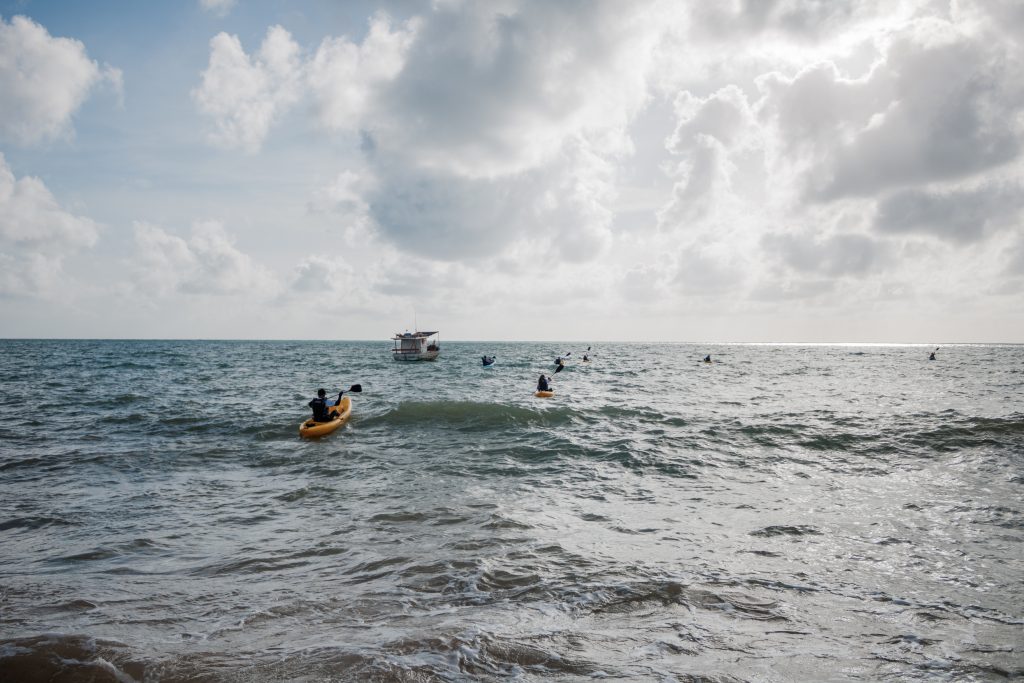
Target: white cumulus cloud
x,y
36,236
207,262
245,95
43,81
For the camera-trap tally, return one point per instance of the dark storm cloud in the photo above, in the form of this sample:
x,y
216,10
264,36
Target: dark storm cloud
x,y
962,216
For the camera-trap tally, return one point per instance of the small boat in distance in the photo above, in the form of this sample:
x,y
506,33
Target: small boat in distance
x,y
415,346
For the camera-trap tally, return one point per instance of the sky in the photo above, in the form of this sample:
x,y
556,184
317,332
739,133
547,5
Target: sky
x,y
745,170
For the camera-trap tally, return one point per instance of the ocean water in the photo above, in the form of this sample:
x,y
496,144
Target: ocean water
x,y
788,513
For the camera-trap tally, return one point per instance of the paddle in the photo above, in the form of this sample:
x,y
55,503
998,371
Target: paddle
x,y
354,389
559,368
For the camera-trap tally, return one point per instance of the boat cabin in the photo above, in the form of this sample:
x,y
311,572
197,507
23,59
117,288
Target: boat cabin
x,y
416,346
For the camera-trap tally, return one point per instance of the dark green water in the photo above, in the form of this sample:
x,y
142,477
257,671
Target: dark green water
x,y
787,513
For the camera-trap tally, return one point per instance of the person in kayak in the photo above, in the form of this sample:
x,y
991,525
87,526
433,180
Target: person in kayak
x,y
585,358
707,358
320,405
542,384
931,356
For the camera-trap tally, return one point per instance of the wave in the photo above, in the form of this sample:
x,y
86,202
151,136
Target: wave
x,y
627,598
52,657
782,530
34,522
971,432
467,414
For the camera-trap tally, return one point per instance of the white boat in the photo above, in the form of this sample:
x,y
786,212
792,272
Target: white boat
x,y
415,346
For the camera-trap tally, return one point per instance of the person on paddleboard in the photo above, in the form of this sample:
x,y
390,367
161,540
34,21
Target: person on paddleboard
x,y
320,406
542,384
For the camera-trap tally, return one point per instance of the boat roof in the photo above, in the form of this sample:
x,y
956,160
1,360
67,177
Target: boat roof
x,y
414,335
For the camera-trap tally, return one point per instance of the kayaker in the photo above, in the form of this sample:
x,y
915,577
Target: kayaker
x,y
542,384
707,358
931,356
585,359
319,406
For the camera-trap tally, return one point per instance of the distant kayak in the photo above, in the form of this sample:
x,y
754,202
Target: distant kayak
x,y
543,394
310,429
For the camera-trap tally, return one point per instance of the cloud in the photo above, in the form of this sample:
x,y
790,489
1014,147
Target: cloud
x,y
725,115
709,133
826,165
208,263
960,216
218,7
343,76
320,274
494,90
30,215
801,20
345,193
711,268
244,95
36,234
844,254
942,103
336,286
506,124
1015,259
43,81
482,124
798,149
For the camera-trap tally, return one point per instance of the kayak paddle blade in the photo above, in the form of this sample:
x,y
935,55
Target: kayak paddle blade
x,y
356,388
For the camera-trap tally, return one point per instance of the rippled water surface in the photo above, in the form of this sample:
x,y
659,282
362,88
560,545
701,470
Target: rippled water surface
x,y
786,513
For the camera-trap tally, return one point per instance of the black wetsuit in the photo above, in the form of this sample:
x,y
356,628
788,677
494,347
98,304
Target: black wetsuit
x,y
542,384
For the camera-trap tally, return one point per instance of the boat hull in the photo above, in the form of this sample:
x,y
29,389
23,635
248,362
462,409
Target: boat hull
x,y
419,355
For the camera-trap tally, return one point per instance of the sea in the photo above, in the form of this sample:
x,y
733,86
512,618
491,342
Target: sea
x,y
784,513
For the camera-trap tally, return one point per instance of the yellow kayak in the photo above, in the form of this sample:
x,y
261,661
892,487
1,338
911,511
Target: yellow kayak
x,y
544,394
341,412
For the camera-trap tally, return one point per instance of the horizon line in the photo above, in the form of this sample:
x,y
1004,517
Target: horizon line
x,y
526,341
